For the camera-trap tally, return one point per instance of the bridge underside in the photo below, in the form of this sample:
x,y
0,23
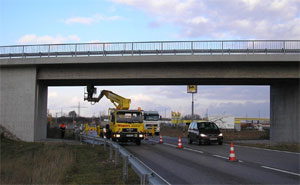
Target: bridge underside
x,y
155,81
24,87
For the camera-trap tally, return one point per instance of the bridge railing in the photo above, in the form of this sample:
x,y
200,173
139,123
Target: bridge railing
x,y
225,47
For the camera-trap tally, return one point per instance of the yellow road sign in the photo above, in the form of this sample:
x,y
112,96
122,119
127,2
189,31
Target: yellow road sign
x,y
192,88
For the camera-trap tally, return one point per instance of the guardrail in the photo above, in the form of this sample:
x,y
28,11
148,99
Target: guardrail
x,y
147,176
225,47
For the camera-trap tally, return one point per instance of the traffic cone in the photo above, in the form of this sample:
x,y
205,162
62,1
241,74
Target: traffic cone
x,y
179,142
232,153
160,140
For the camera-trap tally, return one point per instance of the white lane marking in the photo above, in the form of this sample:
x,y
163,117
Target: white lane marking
x,y
153,171
227,158
193,150
292,173
170,144
265,149
198,151
220,156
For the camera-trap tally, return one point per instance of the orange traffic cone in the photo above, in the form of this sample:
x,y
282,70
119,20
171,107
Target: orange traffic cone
x,y
160,139
232,153
179,142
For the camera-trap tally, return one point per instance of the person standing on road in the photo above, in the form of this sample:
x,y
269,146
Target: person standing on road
x,y
62,129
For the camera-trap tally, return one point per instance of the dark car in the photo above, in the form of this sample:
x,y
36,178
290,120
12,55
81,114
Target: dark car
x,y
205,132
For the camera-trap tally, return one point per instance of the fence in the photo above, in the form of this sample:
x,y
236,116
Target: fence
x,y
225,47
147,176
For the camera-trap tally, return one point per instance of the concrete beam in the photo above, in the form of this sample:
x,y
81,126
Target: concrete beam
x,y
217,73
150,59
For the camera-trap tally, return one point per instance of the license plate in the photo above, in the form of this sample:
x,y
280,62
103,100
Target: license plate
x,y
129,135
213,138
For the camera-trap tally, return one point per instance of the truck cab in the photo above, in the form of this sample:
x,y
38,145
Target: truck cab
x,y
151,118
126,125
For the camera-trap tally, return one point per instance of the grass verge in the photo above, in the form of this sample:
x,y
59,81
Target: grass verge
x,y
229,135
58,163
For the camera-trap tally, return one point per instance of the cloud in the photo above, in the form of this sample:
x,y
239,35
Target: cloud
x,y
91,20
46,39
230,19
140,97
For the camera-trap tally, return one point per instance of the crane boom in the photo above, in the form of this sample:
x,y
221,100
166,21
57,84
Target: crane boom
x,y
119,101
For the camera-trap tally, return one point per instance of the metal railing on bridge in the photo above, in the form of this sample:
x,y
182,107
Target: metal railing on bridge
x,y
226,47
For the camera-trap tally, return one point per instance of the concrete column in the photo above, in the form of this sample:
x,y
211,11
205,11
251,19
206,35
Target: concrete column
x,y
41,111
285,122
23,103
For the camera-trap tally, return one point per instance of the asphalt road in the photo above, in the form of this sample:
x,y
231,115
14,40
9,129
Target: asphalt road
x,y
209,164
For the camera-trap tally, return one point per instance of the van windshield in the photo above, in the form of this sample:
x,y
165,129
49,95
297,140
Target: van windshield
x,y
207,126
151,117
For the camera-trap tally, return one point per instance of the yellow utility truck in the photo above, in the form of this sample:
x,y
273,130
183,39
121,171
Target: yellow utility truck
x,y
124,124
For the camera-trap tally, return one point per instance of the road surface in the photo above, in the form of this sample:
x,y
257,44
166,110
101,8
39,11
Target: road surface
x,y
209,164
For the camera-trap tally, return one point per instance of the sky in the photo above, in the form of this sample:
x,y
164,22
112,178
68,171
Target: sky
x,y
80,21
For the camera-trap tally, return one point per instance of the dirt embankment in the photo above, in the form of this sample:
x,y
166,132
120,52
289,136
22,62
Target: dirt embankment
x,y
4,133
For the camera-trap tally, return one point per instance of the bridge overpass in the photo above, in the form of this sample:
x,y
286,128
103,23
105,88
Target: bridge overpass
x,y
27,71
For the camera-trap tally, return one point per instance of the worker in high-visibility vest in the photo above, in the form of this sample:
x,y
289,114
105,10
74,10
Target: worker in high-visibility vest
x,y
62,128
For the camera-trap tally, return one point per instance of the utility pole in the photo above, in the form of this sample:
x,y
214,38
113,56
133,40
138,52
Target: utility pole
x,y
207,114
78,109
192,106
56,118
192,89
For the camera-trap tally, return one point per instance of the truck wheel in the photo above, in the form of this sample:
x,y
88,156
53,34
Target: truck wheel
x,y
138,142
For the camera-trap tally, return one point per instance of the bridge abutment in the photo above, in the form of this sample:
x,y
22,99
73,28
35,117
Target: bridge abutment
x,y
23,108
285,122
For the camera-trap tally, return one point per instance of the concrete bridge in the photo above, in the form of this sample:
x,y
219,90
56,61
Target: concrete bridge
x,y
27,71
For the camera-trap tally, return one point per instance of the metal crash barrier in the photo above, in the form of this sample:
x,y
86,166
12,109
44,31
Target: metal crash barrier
x,y
147,176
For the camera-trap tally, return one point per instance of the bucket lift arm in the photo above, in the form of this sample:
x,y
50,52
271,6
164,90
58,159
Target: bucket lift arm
x,y
119,101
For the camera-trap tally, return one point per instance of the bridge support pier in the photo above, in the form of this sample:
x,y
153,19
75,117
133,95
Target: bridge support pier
x,y
285,122
23,99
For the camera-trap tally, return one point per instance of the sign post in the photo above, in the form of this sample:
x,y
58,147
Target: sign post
x,y
192,89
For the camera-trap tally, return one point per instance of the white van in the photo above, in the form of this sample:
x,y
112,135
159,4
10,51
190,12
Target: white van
x,y
151,118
